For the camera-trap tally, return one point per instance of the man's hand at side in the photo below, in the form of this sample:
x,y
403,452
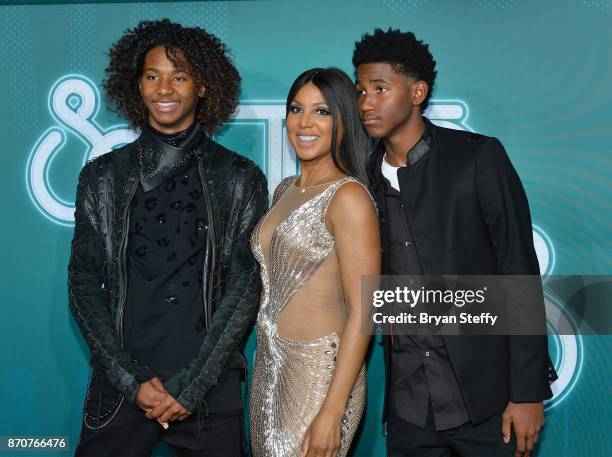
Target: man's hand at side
x,y
527,420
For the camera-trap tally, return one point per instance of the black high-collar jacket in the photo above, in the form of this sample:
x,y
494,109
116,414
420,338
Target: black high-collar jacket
x,y
468,214
236,197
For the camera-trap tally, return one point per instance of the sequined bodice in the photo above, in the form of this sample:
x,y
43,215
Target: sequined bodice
x,y
298,246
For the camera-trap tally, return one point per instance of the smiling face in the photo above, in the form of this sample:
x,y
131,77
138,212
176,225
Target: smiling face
x,y
168,91
387,99
310,125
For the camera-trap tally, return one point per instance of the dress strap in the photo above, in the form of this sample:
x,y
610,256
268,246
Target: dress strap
x,y
282,187
337,185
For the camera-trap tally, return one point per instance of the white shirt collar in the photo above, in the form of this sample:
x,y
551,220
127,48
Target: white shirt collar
x,y
390,172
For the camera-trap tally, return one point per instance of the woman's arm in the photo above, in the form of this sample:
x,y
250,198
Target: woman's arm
x,y
351,218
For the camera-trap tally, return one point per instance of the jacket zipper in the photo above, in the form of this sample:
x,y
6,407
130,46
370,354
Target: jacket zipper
x,y
122,249
244,366
245,372
211,236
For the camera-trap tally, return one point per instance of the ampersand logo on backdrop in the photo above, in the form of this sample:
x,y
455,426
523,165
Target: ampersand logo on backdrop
x,y
74,102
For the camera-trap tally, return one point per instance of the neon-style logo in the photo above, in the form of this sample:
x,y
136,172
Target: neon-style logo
x,y
544,250
74,102
452,114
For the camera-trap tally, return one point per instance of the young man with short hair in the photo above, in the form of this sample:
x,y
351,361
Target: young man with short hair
x,y
162,281
450,203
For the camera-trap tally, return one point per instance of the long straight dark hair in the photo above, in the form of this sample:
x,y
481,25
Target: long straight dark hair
x,y
340,96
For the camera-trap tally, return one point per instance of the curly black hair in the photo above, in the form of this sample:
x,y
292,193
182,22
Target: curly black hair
x,y
406,54
207,63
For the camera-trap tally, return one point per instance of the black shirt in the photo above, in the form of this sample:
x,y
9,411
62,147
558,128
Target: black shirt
x,y
163,322
421,373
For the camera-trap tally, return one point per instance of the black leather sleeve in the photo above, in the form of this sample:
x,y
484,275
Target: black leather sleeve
x,y
505,210
238,305
88,294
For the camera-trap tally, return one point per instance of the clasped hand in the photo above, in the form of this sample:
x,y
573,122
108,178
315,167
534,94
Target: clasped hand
x,y
158,404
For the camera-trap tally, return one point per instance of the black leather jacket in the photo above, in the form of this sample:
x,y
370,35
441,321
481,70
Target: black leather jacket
x,y
236,198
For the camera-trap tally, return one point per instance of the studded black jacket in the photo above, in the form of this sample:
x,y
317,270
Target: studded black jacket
x,y
236,198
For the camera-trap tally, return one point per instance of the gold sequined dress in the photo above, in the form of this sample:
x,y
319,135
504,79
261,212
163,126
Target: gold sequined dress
x,y
302,310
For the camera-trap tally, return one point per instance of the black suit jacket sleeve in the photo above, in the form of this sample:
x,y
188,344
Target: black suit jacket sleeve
x,y
505,211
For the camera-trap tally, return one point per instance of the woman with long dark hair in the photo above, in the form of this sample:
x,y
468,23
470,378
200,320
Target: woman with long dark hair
x,y
314,245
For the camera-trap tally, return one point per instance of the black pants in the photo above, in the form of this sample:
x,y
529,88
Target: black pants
x,y
114,427
483,440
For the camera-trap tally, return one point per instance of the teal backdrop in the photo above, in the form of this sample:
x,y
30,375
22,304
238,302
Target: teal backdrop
x,y
536,74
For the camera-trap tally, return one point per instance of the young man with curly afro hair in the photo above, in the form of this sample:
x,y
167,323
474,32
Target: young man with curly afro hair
x,y
450,203
162,282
